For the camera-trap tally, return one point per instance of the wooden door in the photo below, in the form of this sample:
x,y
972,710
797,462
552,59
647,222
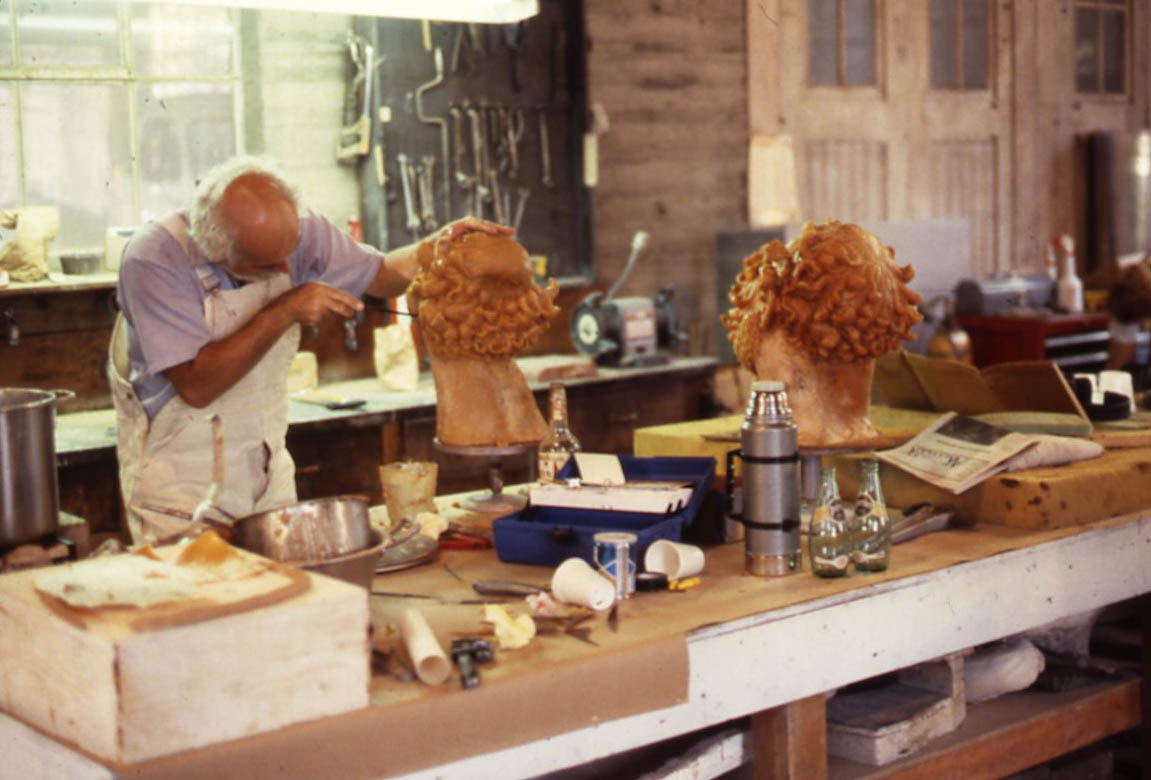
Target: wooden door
x,y
878,133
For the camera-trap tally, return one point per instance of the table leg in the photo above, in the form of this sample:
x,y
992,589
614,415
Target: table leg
x,y
1145,686
790,741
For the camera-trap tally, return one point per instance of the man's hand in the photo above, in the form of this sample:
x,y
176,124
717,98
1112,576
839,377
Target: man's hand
x,y
310,303
454,230
220,364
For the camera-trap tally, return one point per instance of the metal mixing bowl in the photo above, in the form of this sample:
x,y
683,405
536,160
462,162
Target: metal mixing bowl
x,y
357,568
316,530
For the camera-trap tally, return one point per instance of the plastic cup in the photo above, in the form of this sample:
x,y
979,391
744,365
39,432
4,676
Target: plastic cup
x,y
576,582
675,559
409,488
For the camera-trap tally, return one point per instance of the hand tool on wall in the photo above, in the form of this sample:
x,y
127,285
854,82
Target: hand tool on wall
x,y
515,132
406,175
522,199
479,159
514,38
497,198
356,135
428,192
442,124
465,180
545,151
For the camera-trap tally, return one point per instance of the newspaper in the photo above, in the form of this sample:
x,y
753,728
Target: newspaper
x,y
958,452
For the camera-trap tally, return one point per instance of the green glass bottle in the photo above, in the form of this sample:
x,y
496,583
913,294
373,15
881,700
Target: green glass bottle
x,y
829,539
872,527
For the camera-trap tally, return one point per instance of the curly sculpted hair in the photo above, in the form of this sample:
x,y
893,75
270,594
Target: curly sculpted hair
x,y
475,297
835,291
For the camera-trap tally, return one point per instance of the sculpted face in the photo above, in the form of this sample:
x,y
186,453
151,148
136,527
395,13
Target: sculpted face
x,y
477,308
264,225
815,314
475,297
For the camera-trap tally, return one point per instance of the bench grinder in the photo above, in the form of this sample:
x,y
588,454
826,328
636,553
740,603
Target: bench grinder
x,y
634,331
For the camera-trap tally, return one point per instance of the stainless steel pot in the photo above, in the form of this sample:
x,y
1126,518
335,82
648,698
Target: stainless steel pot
x,y
308,531
29,489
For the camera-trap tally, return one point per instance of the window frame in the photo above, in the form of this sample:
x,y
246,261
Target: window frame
x,y
123,75
841,49
990,53
1101,7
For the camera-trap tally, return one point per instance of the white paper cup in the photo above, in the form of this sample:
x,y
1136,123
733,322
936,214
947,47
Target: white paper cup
x,y
1118,382
576,582
675,559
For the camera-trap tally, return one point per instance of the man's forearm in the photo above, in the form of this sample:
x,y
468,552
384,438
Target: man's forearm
x,y
396,272
221,364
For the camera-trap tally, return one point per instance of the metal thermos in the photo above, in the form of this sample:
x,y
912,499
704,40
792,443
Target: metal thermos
x,y
770,483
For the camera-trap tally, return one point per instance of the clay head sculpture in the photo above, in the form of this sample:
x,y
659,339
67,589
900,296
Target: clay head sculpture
x,y
478,307
815,314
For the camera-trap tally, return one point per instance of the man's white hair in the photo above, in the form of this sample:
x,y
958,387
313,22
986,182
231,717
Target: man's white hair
x,y
215,238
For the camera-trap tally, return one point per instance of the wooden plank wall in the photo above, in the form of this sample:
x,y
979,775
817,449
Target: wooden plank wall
x,y
671,76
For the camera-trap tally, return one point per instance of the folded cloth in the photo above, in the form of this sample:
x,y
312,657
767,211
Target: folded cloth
x,y
1054,451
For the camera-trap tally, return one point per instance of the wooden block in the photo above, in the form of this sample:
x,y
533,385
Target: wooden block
x,y
124,694
1051,497
790,741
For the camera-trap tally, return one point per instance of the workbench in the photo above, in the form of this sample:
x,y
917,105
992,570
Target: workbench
x,y
680,662
339,450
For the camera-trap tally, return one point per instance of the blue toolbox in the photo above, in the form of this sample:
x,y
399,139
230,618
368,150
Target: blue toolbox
x,y
547,536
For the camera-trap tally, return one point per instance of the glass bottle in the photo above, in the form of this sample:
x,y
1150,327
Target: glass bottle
x,y
872,527
829,540
559,443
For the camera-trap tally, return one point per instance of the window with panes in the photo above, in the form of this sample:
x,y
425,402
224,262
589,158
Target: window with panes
x,y
109,110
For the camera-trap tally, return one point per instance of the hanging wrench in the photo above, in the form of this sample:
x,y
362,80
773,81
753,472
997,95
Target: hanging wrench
x,y
514,131
545,152
462,177
494,183
441,123
406,175
479,158
522,194
428,192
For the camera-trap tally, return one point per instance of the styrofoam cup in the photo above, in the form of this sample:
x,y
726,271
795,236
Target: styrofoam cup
x,y
675,559
1118,382
576,582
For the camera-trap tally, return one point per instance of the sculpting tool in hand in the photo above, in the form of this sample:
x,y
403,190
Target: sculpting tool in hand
x,y
386,309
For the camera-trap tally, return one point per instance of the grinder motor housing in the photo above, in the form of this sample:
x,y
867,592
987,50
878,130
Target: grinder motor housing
x,y
633,331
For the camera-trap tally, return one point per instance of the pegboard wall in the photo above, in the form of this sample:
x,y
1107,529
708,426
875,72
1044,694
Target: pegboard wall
x,y
504,104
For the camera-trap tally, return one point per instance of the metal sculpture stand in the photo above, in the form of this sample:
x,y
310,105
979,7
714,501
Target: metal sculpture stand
x,y
497,502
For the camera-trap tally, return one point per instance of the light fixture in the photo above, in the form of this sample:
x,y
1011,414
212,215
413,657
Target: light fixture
x,y
488,11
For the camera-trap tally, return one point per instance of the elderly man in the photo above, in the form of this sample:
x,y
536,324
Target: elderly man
x,y
212,301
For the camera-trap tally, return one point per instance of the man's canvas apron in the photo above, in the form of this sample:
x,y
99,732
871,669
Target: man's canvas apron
x,y
166,467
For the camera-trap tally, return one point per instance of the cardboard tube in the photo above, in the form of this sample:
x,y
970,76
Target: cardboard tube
x,y
428,659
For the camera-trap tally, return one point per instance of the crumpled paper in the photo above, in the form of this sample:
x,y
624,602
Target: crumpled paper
x,y
511,633
1054,451
25,254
